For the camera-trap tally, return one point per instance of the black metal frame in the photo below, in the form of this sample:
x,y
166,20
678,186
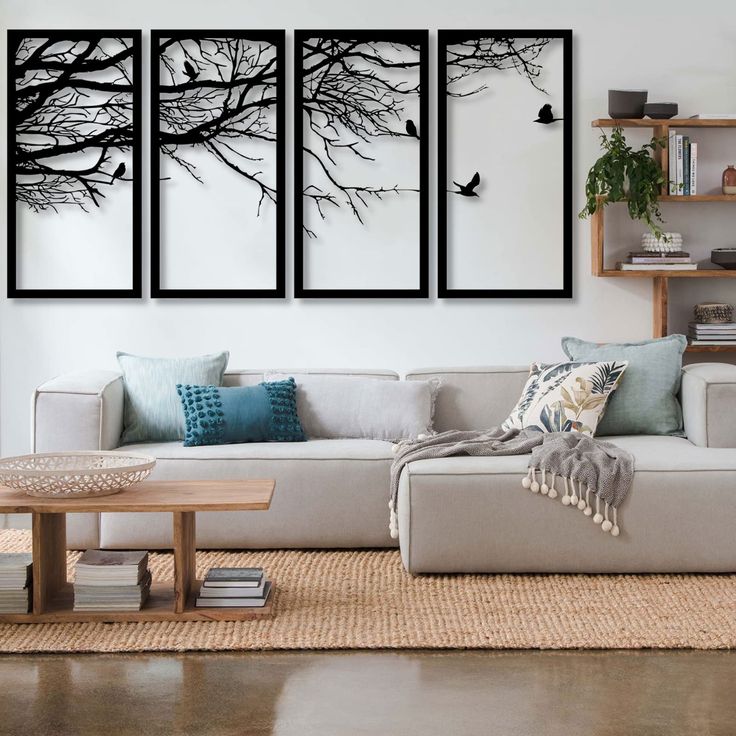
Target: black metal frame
x,y
446,38
277,38
15,292
420,37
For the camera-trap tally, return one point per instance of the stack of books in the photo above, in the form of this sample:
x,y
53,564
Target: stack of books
x,y
683,164
111,581
15,581
235,587
712,334
644,260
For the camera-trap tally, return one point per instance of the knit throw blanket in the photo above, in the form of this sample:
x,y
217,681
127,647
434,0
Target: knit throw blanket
x,y
588,470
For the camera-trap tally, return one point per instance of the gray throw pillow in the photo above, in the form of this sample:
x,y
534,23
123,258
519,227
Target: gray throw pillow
x,y
152,408
646,400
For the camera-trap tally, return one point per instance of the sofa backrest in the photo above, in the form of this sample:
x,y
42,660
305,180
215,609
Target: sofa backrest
x,y
473,398
253,376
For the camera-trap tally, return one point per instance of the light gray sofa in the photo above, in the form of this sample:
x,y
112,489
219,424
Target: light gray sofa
x,y
458,514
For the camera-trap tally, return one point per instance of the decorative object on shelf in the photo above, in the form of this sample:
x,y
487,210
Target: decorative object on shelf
x,y
660,110
503,94
218,199
724,257
623,174
626,103
74,474
361,163
665,243
74,157
713,313
728,180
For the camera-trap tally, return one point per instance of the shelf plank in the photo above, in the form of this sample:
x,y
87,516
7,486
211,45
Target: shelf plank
x,y
158,607
701,273
674,122
697,198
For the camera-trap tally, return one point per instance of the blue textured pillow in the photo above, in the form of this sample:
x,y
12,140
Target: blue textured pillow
x,y
220,416
646,401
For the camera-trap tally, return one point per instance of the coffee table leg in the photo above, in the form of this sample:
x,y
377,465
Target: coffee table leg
x,y
184,557
49,558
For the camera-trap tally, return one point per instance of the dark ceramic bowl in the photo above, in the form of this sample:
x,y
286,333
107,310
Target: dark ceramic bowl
x,y
626,103
661,110
725,257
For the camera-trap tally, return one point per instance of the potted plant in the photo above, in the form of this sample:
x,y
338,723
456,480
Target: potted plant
x,y
623,173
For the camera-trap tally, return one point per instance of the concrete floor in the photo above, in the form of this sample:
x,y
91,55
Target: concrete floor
x,y
386,693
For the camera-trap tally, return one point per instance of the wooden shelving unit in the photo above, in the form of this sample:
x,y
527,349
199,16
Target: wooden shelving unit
x,y
660,279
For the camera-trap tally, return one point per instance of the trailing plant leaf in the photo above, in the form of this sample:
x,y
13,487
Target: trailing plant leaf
x,y
622,173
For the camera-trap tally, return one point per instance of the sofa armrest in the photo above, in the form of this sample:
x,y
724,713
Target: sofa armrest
x,y
708,397
78,411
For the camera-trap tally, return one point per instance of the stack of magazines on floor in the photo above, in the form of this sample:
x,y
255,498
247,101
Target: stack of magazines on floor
x,y
15,581
106,580
712,334
234,587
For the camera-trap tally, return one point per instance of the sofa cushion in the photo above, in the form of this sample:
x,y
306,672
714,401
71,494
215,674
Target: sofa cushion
x,y
329,493
646,402
348,407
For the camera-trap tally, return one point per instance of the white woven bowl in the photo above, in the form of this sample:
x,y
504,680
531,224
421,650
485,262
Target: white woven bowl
x,y
74,474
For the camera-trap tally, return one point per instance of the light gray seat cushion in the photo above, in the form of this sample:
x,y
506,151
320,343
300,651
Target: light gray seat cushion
x,y
470,514
329,493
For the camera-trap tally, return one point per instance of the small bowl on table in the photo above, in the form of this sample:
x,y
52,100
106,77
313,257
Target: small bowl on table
x,y
624,104
724,257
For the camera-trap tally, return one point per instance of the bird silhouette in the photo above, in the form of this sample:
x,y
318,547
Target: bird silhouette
x,y
411,129
190,71
467,190
545,115
118,173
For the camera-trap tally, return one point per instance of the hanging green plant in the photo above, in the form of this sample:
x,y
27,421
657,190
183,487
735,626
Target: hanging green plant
x,y
623,173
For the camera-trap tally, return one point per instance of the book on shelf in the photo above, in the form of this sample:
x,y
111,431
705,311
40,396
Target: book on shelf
x,y
672,161
16,574
112,597
693,168
657,266
242,602
713,343
645,257
685,166
712,326
678,164
232,591
233,577
111,567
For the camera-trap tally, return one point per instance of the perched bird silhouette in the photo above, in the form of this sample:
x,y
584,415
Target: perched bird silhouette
x,y
117,174
190,71
411,129
545,115
467,190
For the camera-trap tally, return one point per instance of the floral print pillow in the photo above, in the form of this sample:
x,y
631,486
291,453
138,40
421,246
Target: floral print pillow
x,y
566,397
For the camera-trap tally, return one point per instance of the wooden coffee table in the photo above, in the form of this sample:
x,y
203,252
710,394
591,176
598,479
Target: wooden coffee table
x,y
53,595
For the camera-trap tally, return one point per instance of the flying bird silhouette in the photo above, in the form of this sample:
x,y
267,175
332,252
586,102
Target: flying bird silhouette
x,y
545,115
118,173
467,190
411,129
190,71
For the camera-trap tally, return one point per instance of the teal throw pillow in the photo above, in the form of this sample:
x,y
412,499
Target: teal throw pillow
x,y
152,412
646,401
220,416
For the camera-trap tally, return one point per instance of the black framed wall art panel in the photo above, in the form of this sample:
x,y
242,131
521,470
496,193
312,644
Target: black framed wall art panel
x,y
74,173
361,163
504,189
217,164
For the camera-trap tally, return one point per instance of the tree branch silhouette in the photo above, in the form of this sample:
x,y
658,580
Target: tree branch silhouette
x,y
73,108
217,94
467,58
352,94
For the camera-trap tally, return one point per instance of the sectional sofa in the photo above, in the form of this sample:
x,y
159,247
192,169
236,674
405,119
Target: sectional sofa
x,y
460,514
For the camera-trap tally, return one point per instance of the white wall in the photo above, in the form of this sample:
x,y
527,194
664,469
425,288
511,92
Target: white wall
x,y
676,50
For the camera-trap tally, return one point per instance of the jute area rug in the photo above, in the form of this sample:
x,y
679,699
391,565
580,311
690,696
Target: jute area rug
x,y
366,600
